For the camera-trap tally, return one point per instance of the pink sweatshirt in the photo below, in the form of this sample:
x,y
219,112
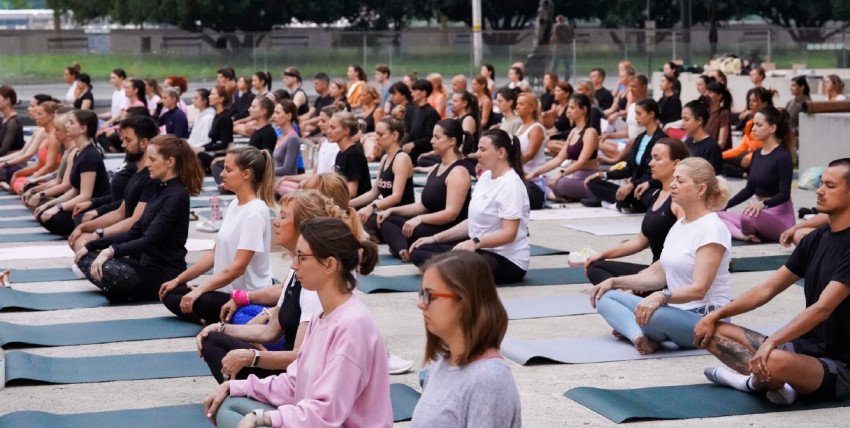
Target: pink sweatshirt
x,y
340,377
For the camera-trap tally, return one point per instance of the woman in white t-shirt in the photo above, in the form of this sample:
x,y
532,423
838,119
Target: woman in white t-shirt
x,y
692,276
240,257
497,225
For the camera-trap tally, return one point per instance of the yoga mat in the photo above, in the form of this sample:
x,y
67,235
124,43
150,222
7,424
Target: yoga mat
x,y
19,276
624,226
578,213
404,399
62,250
11,201
87,333
14,212
757,264
17,224
184,416
25,366
580,350
28,237
682,402
548,306
16,299
544,276
536,250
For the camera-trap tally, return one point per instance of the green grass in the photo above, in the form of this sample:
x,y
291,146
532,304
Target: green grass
x,y
40,68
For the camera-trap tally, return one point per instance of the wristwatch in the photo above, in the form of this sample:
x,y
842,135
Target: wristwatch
x,y
667,295
375,206
259,414
99,232
256,358
477,243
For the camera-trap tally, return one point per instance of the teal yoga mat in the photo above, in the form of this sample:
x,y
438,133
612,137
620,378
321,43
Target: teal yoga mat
x,y
404,399
17,224
682,402
87,333
16,299
15,212
23,366
545,276
757,264
184,416
20,276
536,250
11,201
28,237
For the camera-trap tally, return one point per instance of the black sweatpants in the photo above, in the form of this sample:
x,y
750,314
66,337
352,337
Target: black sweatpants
x,y
604,269
504,270
126,280
206,309
216,346
607,191
60,224
392,236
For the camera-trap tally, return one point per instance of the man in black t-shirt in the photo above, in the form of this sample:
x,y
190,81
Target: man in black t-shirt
x,y
808,356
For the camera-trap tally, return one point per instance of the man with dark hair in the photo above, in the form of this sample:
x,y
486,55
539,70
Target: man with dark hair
x,y
424,119
601,93
131,188
307,122
382,78
809,356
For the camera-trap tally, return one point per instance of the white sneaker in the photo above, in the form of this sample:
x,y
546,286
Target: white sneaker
x,y
77,271
208,226
784,396
398,365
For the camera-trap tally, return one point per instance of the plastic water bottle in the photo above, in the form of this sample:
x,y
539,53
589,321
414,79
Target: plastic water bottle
x,y
215,208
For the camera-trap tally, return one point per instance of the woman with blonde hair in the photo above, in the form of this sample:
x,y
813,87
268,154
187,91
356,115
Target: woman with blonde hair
x,y
834,88
438,98
690,279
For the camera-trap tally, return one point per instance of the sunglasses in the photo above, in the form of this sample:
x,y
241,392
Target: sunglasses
x,y
426,295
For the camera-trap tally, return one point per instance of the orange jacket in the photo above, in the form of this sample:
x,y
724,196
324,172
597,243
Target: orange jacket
x,y
748,145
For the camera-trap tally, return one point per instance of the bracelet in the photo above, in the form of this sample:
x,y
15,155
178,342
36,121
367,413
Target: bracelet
x,y
241,298
221,326
266,312
256,358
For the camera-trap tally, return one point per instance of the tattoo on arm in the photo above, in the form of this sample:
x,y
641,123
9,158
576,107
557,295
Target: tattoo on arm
x,y
733,354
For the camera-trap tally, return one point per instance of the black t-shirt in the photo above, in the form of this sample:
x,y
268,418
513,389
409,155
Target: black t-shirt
x,y
78,103
824,256
546,101
351,164
117,187
770,176
221,132
264,138
90,160
322,102
604,98
657,223
708,149
140,188
670,108
422,128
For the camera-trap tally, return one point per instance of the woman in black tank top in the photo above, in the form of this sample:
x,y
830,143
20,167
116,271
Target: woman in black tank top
x,y
394,183
659,217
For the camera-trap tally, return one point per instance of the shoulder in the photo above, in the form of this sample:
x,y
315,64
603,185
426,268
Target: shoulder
x,y
490,376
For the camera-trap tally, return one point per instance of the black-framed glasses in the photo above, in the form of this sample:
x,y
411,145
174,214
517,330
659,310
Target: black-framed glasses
x,y
301,256
426,295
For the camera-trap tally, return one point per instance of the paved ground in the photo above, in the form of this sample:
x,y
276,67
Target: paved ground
x,y
541,386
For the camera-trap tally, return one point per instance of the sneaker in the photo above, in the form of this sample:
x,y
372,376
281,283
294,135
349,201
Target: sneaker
x,y
208,226
592,201
398,365
784,396
609,206
76,270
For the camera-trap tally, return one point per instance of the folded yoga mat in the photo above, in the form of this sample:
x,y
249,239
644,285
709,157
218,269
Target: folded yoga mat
x,y
609,227
12,211
87,333
185,415
24,366
16,299
548,306
544,276
28,237
404,399
62,250
682,402
758,264
579,350
578,213
17,224
536,250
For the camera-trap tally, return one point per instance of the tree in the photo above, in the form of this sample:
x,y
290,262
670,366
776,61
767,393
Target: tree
x,y
806,20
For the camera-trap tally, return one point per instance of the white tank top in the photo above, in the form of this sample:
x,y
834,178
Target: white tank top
x,y
539,158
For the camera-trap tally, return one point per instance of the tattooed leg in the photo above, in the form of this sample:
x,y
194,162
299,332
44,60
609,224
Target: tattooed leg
x,y
735,345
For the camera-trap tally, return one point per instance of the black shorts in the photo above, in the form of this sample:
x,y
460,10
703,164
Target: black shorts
x,y
836,378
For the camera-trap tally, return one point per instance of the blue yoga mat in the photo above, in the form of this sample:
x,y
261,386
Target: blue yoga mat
x,y
15,299
11,201
536,250
545,276
87,333
682,402
15,212
23,366
183,416
20,276
28,237
17,224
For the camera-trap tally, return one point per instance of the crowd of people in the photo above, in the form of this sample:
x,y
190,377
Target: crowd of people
x,y
307,349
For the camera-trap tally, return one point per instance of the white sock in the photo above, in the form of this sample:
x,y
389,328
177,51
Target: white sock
x,y
730,378
783,396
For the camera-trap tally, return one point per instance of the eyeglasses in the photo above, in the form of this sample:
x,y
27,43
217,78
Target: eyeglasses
x,y
426,295
300,257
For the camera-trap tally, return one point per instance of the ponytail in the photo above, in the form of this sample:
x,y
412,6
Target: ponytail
x,y
501,140
261,165
368,257
186,163
782,120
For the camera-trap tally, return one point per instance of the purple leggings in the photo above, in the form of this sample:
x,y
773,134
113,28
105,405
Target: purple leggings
x,y
572,186
769,224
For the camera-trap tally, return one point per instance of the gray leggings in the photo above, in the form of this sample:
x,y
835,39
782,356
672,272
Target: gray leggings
x,y
572,186
233,409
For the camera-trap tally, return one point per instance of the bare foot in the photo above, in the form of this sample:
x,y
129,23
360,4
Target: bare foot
x,y
404,256
646,345
617,334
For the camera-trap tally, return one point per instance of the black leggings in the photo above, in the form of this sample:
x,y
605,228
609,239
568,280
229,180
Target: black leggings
x,y
126,280
607,191
60,224
216,346
604,269
392,236
504,270
206,309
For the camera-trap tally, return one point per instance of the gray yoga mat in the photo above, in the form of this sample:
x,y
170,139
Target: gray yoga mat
x,y
15,212
23,366
28,237
580,350
87,333
184,416
548,306
682,402
544,276
536,250
16,299
18,224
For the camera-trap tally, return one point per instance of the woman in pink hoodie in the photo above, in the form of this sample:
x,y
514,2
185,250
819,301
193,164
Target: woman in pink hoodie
x,y
340,375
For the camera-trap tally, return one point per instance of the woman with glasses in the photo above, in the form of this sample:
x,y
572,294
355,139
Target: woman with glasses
x,y
465,323
340,377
